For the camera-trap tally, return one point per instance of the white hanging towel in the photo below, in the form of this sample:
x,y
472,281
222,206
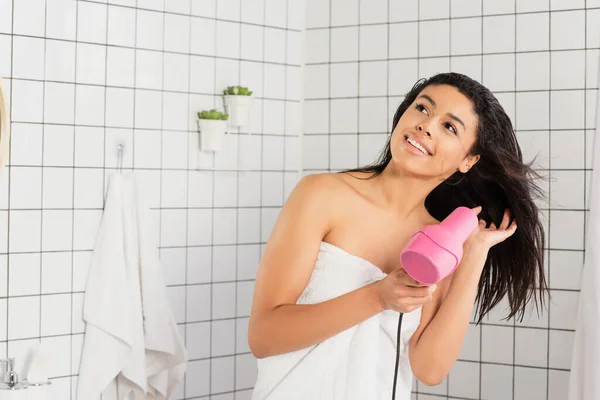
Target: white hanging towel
x,y
166,356
113,345
585,365
126,308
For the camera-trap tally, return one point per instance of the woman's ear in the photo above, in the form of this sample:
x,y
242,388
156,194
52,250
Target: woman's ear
x,y
468,163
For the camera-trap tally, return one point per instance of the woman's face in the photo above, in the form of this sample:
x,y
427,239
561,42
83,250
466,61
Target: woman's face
x,y
434,135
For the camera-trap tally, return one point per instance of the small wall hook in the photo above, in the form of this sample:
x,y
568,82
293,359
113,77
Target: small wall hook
x,y
120,151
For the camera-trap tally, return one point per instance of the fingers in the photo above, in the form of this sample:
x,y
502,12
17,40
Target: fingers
x,y
505,220
409,303
415,301
418,293
405,294
404,278
476,210
505,224
512,228
507,232
405,286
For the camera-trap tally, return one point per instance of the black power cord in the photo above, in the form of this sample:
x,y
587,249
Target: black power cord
x,y
397,356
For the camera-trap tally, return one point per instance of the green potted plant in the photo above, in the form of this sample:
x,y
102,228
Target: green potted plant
x,y
237,104
212,125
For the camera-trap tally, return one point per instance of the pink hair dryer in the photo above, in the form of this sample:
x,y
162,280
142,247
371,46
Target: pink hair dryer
x,y
435,251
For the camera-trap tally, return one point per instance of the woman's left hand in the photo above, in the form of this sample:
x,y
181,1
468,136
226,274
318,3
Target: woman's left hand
x,y
492,235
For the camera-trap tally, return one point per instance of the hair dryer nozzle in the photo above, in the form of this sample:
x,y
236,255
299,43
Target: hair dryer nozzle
x,y
435,251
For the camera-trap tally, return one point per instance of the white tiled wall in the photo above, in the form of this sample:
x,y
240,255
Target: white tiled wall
x,y
83,76
541,60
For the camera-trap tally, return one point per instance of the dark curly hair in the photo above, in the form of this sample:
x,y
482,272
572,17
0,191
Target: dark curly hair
x,y
500,180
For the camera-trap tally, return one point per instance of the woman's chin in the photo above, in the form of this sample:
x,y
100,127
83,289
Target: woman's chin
x,y
406,166
417,168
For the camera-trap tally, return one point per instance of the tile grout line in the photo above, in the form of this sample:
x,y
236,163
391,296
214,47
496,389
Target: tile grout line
x,y
585,124
329,150
145,49
162,125
212,219
237,212
72,389
135,89
104,180
262,123
496,92
285,105
442,19
184,382
464,55
9,169
41,237
184,15
387,86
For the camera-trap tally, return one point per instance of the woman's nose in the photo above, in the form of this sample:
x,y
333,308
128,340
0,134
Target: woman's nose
x,y
421,128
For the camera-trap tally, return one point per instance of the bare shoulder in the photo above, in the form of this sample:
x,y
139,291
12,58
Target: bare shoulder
x,y
328,180
289,256
311,202
322,188
320,182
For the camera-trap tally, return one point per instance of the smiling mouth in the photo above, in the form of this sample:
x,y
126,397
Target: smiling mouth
x,y
416,145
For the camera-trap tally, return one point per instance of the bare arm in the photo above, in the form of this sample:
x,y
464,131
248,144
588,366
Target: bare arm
x,y
436,344
279,325
289,327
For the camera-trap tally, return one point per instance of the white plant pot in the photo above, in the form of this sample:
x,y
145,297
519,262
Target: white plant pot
x,y
212,133
238,108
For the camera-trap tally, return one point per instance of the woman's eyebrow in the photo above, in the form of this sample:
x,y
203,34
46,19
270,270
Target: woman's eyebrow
x,y
454,117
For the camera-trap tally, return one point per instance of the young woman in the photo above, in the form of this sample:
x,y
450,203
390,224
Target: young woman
x,y
330,285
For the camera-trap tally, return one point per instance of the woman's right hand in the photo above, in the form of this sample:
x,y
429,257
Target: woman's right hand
x,y
399,292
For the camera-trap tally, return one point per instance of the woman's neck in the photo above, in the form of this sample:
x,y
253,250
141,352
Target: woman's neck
x,y
404,194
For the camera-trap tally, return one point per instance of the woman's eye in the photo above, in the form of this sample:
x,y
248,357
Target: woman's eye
x,y
451,128
421,108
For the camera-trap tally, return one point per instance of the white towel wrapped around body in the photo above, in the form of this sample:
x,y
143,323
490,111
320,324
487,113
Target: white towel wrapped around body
x,y
356,364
